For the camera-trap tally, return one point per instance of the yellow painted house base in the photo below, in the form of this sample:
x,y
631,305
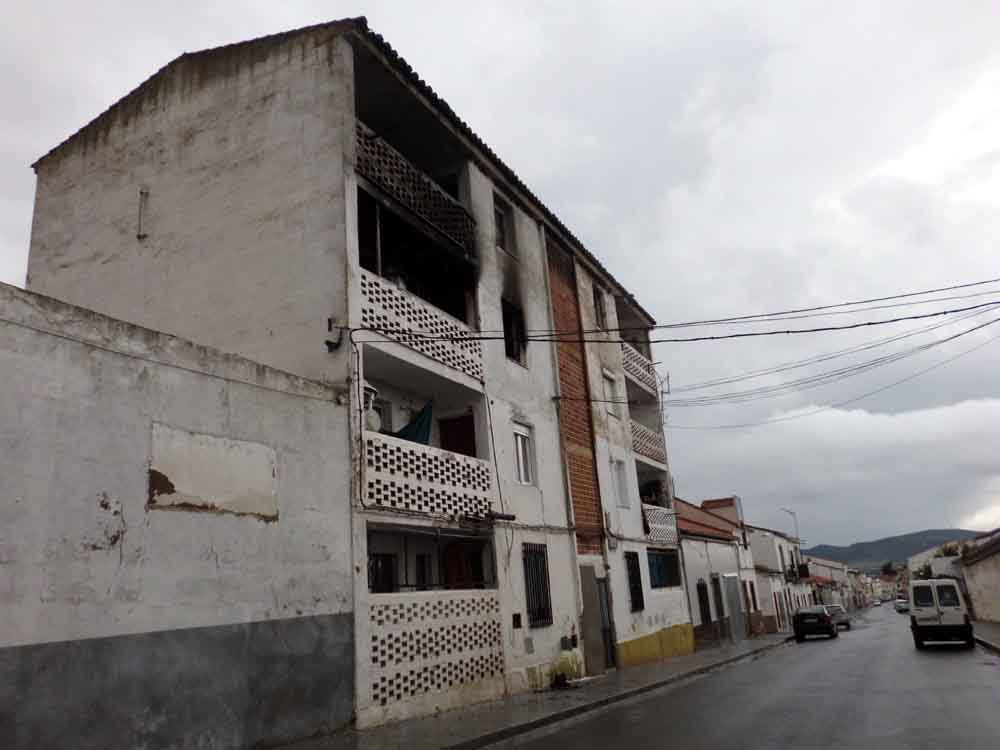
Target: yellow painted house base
x,y
677,640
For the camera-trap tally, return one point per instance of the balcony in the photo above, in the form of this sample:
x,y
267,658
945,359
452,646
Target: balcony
x,y
649,443
661,524
639,369
412,478
421,326
430,649
392,173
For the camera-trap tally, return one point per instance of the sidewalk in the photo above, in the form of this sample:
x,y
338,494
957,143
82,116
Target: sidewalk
x,y
987,634
487,723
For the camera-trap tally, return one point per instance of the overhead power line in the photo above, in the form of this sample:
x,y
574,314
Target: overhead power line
x,y
837,404
819,379
816,359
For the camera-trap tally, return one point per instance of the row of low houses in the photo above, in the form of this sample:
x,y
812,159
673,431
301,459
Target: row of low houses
x,y
279,434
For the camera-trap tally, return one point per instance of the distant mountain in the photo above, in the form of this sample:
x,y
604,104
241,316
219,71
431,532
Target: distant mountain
x,y
871,555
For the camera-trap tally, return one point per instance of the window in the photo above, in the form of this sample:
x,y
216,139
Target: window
x,y
664,568
513,331
381,573
611,394
600,312
634,581
621,483
753,597
524,455
948,596
536,585
503,225
923,596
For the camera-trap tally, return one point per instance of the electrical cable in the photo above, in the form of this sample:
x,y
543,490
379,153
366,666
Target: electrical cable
x,y
837,404
819,379
719,337
815,359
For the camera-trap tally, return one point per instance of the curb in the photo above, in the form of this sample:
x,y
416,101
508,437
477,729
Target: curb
x,y
987,644
499,735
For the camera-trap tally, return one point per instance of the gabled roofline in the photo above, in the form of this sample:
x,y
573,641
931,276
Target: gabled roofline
x,y
358,28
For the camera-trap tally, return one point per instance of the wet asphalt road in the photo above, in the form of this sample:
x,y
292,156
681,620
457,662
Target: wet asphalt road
x,y
869,688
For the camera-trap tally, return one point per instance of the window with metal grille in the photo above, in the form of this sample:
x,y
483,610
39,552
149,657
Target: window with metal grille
x,y
664,568
536,585
634,581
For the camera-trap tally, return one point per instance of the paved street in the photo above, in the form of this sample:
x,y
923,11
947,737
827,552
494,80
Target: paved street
x,y
869,688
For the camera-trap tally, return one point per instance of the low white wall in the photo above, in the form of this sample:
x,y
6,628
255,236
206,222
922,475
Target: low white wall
x,y
84,551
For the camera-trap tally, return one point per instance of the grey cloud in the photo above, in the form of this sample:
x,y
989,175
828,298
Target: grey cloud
x,y
720,159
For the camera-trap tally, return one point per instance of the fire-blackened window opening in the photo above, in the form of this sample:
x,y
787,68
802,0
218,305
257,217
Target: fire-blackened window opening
x,y
421,559
536,585
514,332
396,249
634,581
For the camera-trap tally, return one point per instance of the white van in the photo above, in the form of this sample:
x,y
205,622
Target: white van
x,y
938,612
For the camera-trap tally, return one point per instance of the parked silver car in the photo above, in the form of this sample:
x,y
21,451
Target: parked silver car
x,y
840,616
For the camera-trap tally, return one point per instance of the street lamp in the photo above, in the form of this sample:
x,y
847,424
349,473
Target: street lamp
x,y
798,541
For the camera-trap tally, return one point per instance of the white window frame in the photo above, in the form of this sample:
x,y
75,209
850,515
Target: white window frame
x,y
524,461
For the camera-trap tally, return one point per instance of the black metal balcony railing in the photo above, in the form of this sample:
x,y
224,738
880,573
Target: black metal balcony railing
x,y
390,171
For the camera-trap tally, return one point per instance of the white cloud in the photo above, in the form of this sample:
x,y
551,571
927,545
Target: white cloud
x,y
720,159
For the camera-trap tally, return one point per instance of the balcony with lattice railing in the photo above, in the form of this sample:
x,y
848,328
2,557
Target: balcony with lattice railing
x,y
649,443
392,173
661,524
406,318
638,368
412,478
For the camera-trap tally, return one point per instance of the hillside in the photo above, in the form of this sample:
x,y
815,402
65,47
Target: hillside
x,y
871,555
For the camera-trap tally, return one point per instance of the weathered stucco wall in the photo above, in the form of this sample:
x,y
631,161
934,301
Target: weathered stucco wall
x,y
983,581
125,619
241,155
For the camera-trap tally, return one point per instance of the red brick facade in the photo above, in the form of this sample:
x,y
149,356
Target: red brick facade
x,y
574,409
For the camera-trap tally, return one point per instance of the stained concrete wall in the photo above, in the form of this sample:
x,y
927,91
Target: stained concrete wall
x,y
125,622
241,152
983,582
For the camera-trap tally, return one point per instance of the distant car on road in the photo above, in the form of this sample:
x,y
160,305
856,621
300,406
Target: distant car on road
x,y
877,603
813,621
902,605
840,617
939,613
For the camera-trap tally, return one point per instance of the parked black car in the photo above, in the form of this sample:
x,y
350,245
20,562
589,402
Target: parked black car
x,y
813,621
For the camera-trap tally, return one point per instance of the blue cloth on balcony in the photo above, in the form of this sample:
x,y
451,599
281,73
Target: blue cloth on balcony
x,y
418,429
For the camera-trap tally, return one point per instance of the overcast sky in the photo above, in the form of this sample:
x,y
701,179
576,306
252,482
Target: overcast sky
x,y
720,160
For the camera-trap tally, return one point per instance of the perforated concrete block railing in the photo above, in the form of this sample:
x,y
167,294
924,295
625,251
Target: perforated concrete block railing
x,y
662,524
410,477
639,368
432,642
648,443
406,318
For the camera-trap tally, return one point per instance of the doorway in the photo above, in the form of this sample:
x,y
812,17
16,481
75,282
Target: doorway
x,y
458,434
596,622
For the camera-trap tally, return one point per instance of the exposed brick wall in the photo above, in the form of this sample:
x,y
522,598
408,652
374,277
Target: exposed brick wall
x,y
575,415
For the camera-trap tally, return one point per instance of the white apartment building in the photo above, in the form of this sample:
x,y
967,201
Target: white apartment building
x,y
306,201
